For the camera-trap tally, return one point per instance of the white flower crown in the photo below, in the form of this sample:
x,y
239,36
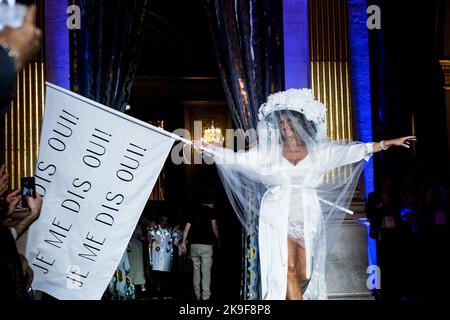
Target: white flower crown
x,y
300,100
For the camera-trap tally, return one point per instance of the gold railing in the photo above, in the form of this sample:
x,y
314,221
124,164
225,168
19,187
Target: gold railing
x,y
22,123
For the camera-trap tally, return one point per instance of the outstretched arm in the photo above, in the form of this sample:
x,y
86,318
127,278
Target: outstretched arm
x,y
399,142
337,155
223,155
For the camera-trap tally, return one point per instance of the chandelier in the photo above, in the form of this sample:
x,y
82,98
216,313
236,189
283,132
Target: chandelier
x,y
213,135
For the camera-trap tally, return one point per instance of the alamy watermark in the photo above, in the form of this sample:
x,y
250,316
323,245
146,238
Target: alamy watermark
x,y
374,278
74,19
75,278
374,18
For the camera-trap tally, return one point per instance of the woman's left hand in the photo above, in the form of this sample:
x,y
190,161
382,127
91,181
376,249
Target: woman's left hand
x,y
403,141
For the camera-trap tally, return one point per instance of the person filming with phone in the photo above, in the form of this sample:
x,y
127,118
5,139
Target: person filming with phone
x,y
17,218
19,42
22,208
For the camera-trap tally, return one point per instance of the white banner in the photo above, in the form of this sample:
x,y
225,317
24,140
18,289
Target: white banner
x,y
96,170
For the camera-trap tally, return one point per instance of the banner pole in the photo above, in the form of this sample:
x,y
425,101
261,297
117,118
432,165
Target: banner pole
x,y
124,116
153,128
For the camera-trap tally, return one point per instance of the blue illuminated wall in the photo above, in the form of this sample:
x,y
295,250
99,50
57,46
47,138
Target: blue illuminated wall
x,y
361,95
297,64
296,44
360,74
57,58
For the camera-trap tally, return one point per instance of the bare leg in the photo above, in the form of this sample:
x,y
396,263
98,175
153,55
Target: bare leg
x,y
296,270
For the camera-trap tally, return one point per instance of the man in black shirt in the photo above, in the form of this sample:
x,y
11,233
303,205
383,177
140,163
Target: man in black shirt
x,y
203,230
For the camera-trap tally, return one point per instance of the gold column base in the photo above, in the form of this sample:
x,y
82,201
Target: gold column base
x,y
445,64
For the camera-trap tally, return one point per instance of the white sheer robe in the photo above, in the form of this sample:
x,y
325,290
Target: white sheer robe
x,y
290,206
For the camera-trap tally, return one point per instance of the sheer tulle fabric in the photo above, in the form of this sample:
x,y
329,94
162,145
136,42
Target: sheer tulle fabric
x,y
305,201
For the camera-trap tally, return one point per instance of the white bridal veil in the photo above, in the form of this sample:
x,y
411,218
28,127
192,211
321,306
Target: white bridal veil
x,y
277,199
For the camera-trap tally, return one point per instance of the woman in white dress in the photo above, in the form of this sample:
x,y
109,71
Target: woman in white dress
x,y
293,188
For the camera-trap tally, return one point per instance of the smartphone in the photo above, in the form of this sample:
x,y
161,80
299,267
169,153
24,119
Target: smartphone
x,y
28,189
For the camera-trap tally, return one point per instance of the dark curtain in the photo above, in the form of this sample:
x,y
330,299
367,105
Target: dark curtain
x,y
105,51
248,40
